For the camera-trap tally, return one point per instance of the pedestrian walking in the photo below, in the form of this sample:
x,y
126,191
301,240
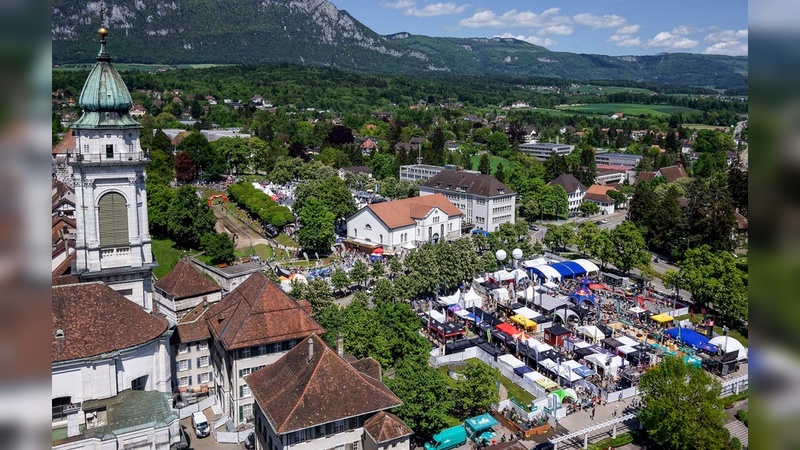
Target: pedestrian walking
x,y
615,412
593,412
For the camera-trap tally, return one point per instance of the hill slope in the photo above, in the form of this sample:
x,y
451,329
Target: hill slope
x,y
316,33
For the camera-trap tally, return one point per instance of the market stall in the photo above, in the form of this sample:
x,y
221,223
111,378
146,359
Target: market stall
x,y
591,333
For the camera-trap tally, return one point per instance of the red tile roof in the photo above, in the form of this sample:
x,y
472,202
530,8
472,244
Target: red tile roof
x,y
258,312
96,319
672,173
599,193
385,427
401,213
298,392
66,143
644,176
185,281
193,326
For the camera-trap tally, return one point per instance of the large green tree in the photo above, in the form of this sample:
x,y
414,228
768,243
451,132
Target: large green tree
x,y
210,163
339,279
218,247
713,279
316,233
682,409
425,395
332,192
159,198
586,237
630,247
477,391
359,272
189,218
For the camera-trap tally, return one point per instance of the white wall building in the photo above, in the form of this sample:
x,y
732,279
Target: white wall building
x,y
405,223
575,190
545,150
414,172
617,159
183,289
486,202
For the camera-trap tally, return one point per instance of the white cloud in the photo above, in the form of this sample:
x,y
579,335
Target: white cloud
x,y
668,41
730,48
513,19
683,30
630,29
604,21
726,35
399,4
436,9
625,40
562,30
535,40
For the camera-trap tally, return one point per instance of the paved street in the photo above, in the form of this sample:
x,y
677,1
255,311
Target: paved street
x,y
206,443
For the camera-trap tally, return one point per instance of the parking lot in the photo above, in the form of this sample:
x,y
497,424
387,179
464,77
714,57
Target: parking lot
x,y
206,443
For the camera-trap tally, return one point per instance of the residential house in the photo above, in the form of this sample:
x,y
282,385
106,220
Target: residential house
x,y
545,150
182,289
191,356
486,202
531,137
63,244
355,170
575,190
644,176
252,327
405,223
599,195
368,147
672,173
451,145
230,276
313,398
137,111
105,349
213,135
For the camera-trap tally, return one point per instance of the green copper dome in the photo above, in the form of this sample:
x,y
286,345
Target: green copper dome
x,y
105,99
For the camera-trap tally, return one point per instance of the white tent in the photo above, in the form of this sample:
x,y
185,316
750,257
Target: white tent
x,y
500,294
510,360
592,332
550,285
626,349
637,310
503,275
408,246
537,345
471,298
625,340
548,271
527,294
437,316
462,313
519,274
587,265
447,301
729,344
609,365
534,262
526,312
581,344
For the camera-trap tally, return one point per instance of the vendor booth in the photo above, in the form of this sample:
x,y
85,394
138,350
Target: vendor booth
x,y
472,299
663,319
604,365
693,339
591,333
555,335
523,323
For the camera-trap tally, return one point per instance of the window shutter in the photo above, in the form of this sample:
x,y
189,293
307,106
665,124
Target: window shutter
x,y
113,218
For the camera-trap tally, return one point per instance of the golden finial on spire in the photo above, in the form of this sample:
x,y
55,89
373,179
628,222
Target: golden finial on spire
x,y
103,31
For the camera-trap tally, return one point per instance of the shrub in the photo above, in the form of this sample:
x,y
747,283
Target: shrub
x,y
742,416
736,444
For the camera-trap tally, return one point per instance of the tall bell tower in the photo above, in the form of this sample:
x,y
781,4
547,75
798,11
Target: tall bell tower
x,y
108,167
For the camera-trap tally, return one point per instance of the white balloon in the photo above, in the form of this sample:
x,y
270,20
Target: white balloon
x,y
500,255
516,253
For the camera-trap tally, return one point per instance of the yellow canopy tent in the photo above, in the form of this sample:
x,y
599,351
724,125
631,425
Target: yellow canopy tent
x,y
662,318
523,322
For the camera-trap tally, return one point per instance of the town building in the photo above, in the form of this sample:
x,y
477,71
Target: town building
x,y
191,356
112,242
252,327
545,150
423,172
672,173
107,351
355,170
599,194
300,403
230,276
405,223
486,202
617,159
181,290
575,190
613,174
215,134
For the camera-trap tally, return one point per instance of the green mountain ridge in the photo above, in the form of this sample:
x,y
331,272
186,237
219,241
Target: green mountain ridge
x,y
316,33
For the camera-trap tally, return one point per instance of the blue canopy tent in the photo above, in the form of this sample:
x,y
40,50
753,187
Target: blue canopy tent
x,y
569,268
692,338
583,371
522,370
582,294
483,232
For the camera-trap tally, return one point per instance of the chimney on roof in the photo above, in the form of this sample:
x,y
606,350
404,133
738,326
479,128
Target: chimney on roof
x,y
310,349
340,344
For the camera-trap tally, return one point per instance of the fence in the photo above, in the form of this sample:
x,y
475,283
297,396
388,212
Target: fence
x,y
616,396
734,386
199,406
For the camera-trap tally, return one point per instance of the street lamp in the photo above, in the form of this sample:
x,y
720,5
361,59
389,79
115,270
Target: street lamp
x,y
517,255
500,255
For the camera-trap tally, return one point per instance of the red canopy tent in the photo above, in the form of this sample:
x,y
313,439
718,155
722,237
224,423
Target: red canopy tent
x,y
378,251
509,329
601,286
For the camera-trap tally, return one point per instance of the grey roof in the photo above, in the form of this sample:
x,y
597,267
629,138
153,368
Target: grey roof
x,y
568,182
131,410
472,183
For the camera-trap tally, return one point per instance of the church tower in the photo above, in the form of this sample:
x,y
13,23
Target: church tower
x,y
108,169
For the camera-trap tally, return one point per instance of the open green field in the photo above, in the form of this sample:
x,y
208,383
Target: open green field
x,y
592,89
627,108
700,126
493,162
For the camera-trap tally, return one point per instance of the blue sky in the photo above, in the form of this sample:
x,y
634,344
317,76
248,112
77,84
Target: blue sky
x,y
611,27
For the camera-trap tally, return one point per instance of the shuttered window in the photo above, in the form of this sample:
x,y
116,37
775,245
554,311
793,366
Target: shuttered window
x,y
113,220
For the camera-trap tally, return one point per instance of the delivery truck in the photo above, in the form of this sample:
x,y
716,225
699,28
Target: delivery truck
x,y
447,439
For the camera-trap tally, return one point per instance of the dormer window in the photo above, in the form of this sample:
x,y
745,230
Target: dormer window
x,y
501,191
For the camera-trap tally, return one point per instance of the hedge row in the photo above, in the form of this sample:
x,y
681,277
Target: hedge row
x,y
259,205
619,441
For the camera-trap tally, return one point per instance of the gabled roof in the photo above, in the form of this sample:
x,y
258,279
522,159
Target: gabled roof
x,y
96,319
568,182
672,173
469,182
299,391
644,176
385,427
193,327
401,213
357,169
184,281
741,221
66,143
258,312
599,193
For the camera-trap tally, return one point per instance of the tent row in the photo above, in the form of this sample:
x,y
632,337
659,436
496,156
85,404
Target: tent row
x,y
556,271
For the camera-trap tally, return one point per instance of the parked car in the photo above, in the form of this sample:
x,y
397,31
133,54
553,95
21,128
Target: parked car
x,y
604,221
533,227
544,446
200,424
250,441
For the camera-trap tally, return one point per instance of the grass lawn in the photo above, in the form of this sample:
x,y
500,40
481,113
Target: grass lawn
x,y
522,396
700,126
167,255
264,251
717,329
592,89
283,239
493,162
627,108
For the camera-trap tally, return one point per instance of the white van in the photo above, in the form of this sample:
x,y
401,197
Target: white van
x,y
200,424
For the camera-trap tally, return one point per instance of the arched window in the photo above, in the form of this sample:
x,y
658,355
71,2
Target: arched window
x,y
368,227
113,218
